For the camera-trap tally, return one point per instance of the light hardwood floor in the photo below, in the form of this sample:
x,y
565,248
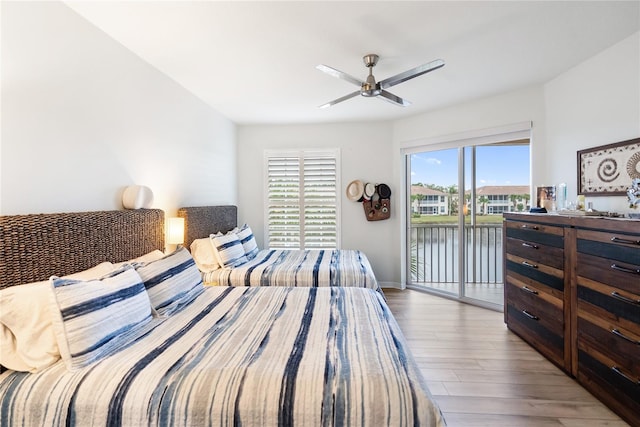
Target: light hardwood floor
x,y
481,374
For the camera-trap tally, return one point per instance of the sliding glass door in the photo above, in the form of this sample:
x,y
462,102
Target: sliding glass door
x,y
454,216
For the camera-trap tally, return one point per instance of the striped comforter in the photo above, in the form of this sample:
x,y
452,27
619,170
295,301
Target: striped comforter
x,y
309,268
241,356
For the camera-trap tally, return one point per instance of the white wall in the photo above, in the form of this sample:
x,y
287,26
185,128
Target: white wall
x,y
464,119
83,117
593,104
366,154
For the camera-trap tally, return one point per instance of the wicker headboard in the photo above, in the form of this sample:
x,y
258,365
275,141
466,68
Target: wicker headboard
x,y
34,247
201,221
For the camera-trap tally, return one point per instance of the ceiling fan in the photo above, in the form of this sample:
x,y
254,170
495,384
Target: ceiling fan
x,y
371,88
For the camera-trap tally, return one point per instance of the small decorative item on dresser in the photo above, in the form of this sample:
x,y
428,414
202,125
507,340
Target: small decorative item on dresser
x,y
546,197
633,193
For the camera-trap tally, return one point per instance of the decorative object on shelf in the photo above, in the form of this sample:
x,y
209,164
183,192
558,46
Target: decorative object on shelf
x,y
546,197
606,170
561,197
537,210
137,197
633,193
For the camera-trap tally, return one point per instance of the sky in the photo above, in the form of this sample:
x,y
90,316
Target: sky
x,y
495,165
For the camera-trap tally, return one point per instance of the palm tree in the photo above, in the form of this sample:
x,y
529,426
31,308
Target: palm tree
x,y
451,191
514,199
483,201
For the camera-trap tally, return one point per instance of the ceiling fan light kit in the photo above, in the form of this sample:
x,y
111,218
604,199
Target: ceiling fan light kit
x,y
370,88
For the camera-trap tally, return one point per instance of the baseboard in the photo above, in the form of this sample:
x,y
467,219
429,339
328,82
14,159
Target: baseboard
x,y
394,285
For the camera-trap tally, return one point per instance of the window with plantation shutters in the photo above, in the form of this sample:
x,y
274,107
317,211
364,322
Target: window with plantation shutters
x,y
301,199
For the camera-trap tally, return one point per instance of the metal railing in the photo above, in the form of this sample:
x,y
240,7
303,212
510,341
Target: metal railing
x,y
435,259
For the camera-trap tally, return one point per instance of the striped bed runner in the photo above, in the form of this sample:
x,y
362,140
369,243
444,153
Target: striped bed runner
x,y
309,268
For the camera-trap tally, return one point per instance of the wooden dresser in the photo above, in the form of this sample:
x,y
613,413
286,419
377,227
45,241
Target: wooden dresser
x,y
572,291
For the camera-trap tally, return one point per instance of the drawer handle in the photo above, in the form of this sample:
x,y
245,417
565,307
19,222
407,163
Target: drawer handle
x,y
533,227
528,264
531,291
625,269
529,315
623,336
617,296
625,376
529,245
626,241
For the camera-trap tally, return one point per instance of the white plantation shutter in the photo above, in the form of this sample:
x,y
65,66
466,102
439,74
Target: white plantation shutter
x,y
283,202
302,204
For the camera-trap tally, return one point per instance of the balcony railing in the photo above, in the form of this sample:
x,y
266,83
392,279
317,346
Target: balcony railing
x,y
435,259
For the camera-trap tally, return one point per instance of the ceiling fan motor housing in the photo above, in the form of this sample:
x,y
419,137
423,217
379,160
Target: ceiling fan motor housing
x,y
370,60
370,87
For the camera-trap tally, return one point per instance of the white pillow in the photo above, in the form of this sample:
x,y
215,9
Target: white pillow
x,y
26,334
151,256
93,272
93,319
172,281
245,234
204,255
229,250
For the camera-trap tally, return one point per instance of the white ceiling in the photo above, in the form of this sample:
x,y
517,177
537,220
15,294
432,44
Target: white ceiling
x,y
254,62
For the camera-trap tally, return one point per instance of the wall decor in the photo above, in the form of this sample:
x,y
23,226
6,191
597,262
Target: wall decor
x,y
607,170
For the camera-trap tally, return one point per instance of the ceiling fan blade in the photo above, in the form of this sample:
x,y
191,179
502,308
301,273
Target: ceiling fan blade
x,y
339,74
344,98
388,96
414,72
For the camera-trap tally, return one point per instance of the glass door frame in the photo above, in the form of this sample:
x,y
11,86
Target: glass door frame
x,y
508,133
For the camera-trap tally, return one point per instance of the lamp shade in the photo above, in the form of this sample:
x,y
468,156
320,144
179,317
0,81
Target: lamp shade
x,y
175,231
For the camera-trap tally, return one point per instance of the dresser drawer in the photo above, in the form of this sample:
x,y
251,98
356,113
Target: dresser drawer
x,y
534,271
619,307
612,264
536,233
619,346
544,309
536,252
537,316
547,342
616,388
525,283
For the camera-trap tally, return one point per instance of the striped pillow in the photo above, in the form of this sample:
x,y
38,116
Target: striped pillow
x,y
93,319
229,250
245,234
172,281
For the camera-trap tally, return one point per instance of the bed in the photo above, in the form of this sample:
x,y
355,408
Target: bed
x,y
271,267
214,356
